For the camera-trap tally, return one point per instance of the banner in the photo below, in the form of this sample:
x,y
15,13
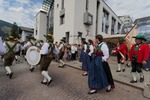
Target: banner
x,y
129,40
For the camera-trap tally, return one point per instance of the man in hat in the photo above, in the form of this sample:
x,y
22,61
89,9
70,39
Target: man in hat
x,y
139,54
61,53
46,58
10,55
18,49
121,52
56,52
39,43
31,42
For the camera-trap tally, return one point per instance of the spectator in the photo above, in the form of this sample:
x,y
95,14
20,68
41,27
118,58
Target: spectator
x,y
73,52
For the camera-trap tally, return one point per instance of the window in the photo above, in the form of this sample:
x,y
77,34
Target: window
x,y
67,37
113,24
62,19
80,34
105,23
62,4
105,14
36,32
119,28
57,5
143,28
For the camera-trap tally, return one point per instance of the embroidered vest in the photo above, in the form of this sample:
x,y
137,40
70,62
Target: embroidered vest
x,y
98,50
88,49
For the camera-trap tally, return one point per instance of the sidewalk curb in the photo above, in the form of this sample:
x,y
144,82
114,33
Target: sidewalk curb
x,y
118,81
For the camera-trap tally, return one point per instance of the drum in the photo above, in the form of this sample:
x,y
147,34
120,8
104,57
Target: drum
x,y
33,57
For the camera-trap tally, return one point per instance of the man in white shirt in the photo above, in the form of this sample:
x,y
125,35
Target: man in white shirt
x,y
76,50
56,52
10,55
18,50
46,58
2,48
61,53
31,42
73,52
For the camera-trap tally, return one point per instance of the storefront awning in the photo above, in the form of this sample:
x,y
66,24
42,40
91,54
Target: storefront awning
x,y
113,39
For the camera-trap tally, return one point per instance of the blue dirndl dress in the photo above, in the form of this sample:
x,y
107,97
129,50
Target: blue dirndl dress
x,y
85,62
96,75
81,55
148,64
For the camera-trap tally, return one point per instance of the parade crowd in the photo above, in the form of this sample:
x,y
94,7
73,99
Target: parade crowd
x,y
93,55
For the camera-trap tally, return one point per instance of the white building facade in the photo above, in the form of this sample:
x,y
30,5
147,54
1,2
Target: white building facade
x,y
126,19
25,32
76,20
40,25
128,23
83,19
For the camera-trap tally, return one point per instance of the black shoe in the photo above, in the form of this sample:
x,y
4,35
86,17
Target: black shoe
x,y
45,83
123,70
142,79
48,83
7,74
32,69
127,65
64,65
118,70
108,90
132,81
92,92
10,75
61,66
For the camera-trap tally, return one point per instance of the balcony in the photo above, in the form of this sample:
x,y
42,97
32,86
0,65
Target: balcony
x,y
62,12
88,19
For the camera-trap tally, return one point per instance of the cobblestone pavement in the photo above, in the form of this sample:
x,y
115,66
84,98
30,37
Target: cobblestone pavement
x,y
68,84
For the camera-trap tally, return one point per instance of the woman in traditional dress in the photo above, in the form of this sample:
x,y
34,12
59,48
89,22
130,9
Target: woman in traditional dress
x,y
84,59
97,78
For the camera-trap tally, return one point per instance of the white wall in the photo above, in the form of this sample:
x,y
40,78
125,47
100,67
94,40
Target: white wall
x,y
60,30
74,14
24,34
80,9
40,26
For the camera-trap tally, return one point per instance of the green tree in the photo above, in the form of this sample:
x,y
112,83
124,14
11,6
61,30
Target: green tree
x,y
14,30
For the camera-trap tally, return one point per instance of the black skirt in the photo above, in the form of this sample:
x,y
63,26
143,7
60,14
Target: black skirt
x,y
108,74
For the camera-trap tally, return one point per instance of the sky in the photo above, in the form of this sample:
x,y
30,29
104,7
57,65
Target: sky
x,y
20,11
134,8
23,11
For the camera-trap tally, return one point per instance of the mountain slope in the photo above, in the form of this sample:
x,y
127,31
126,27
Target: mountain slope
x,y
5,28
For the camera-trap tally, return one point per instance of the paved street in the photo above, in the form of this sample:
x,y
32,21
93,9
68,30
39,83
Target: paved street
x,y
68,84
122,77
